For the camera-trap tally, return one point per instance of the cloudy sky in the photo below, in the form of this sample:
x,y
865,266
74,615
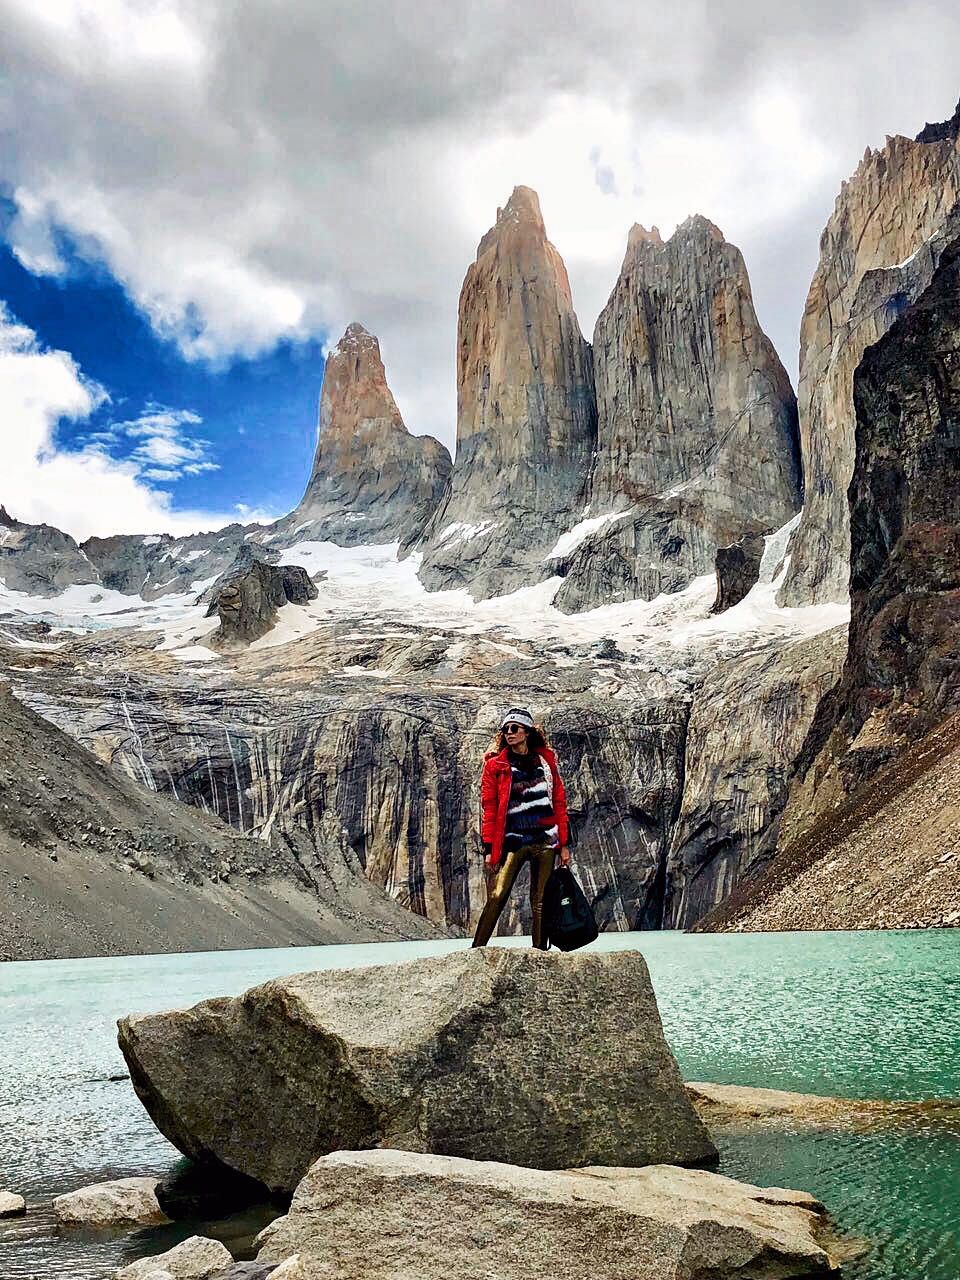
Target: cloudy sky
x,y
195,195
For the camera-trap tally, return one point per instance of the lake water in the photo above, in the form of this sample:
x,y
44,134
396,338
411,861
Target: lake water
x,y
865,1015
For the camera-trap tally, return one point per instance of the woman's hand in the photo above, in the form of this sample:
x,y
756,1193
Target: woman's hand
x,y
488,864
564,856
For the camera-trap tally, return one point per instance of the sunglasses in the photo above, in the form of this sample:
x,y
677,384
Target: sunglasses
x,y
513,728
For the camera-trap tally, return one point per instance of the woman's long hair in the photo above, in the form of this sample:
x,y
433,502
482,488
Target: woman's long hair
x,y
536,738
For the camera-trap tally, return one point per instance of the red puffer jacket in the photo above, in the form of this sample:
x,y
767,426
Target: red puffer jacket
x,y
495,799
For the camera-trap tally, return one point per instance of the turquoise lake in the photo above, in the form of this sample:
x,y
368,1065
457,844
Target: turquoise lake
x,y
862,1015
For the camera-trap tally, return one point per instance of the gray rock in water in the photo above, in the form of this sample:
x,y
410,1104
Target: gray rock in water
x,y
124,1202
249,594
391,1215
197,1191
196,1258
531,1058
738,570
12,1205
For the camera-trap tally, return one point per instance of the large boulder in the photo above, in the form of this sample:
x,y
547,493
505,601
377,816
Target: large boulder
x,y
197,1258
738,570
124,1202
529,1057
391,1215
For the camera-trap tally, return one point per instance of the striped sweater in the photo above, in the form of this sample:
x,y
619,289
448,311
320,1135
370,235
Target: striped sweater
x,y
530,816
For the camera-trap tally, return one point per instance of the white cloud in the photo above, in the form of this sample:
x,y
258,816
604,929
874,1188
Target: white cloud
x,y
157,444
87,492
257,171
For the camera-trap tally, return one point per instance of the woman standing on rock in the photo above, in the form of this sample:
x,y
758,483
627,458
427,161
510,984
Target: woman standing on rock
x,y
523,808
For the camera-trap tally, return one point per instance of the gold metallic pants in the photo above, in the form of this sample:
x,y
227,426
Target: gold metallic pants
x,y
500,883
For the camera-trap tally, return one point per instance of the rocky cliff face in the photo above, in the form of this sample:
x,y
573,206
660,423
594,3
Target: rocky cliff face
x,y
40,560
901,677
159,564
877,253
747,726
383,730
526,414
372,481
93,864
697,425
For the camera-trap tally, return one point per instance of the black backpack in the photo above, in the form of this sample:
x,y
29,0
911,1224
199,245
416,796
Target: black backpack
x,y
567,915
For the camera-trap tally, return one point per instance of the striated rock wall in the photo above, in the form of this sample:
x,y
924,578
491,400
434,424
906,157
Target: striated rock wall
x,y
385,734
885,858
747,726
877,254
372,481
696,422
526,413
93,864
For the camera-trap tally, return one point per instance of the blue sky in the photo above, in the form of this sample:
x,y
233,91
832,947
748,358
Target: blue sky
x,y
255,418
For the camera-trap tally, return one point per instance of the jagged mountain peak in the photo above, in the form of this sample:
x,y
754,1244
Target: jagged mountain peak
x,y
519,221
6,519
523,206
693,232
356,333
638,234
354,360
700,227
945,131
877,252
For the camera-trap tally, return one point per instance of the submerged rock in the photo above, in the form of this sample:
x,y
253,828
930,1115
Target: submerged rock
x,y
248,1271
11,1205
197,1258
740,1107
196,1191
392,1215
527,1057
125,1202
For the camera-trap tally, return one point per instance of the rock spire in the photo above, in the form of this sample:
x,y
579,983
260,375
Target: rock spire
x,y
877,253
372,481
697,423
526,415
